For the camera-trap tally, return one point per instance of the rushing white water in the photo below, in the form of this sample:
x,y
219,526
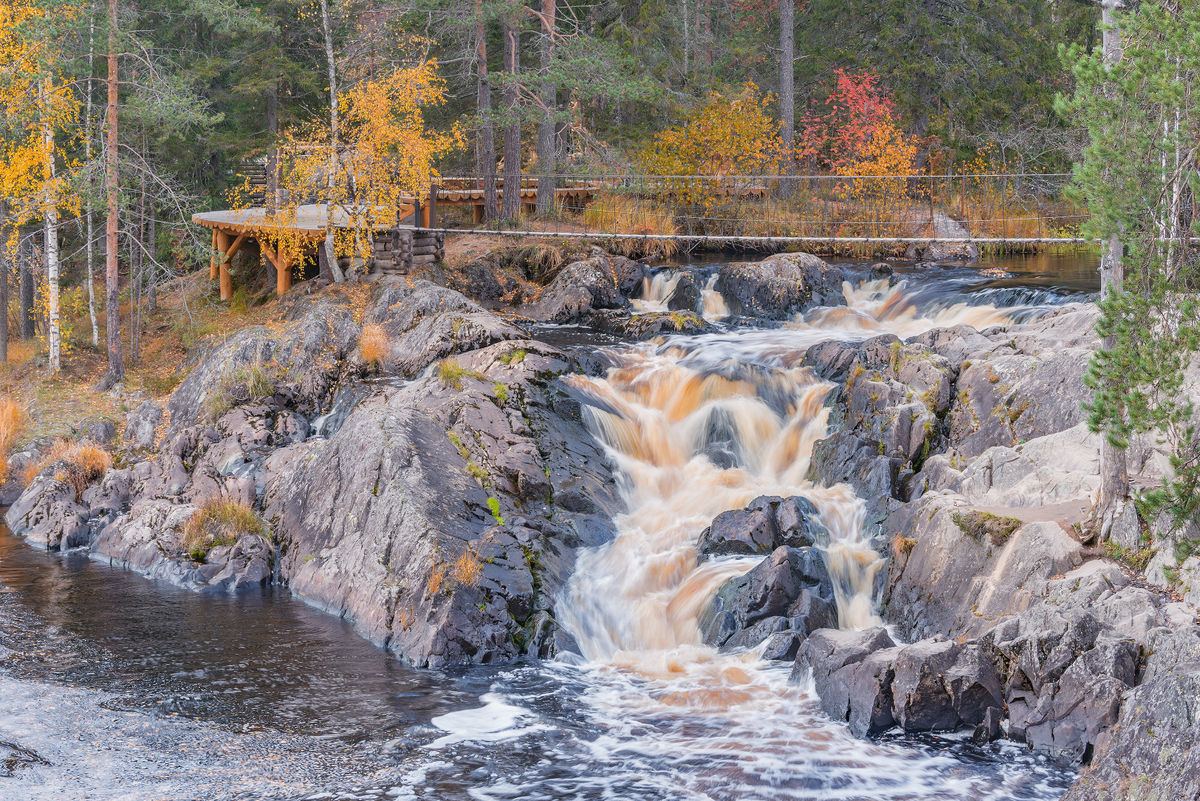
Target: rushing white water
x,y
699,426
657,291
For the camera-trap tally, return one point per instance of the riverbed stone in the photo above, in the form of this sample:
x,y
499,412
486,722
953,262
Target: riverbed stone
x,y
789,591
781,286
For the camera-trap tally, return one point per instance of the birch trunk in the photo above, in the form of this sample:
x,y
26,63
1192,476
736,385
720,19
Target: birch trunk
x,y
50,230
331,177
112,308
787,90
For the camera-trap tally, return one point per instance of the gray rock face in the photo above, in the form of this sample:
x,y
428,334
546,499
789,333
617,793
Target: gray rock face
x,y
142,424
426,322
852,674
645,326
305,364
765,524
464,518
781,286
600,281
931,685
789,593
49,513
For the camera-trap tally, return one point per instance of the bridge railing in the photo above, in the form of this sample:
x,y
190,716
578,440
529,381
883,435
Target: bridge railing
x,y
1021,209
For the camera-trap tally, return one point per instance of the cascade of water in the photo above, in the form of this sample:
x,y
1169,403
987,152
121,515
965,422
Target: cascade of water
x,y
657,291
714,308
703,425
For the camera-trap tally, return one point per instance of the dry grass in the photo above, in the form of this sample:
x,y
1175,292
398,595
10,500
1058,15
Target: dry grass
x,y
12,423
83,464
433,582
21,351
627,214
467,569
217,522
373,345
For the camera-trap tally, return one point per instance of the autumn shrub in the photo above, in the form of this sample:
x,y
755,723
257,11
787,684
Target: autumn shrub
x,y
12,422
217,522
373,344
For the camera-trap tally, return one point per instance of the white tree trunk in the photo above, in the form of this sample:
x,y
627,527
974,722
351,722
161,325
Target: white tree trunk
x,y
50,230
331,169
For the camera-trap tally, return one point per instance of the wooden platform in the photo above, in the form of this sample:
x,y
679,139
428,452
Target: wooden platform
x,y
232,229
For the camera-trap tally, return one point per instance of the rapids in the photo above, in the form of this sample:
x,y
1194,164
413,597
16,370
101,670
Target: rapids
x,y
268,699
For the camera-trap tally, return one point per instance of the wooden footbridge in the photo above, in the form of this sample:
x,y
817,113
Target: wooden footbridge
x,y
899,214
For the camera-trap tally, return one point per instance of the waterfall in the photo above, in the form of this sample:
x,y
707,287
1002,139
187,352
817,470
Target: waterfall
x,y
702,425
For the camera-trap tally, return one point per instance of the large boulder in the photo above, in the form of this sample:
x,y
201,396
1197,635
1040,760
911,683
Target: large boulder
x,y
784,598
766,523
300,367
781,286
50,512
601,281
851,673
425,322
462,497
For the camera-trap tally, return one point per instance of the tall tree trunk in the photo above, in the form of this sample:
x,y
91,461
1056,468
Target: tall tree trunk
x,y
137,264
28,314
1114,479
3,285
90,217
787,91
510,206
50,229
331,177
152,260
271,201
485,141
546,150
116,364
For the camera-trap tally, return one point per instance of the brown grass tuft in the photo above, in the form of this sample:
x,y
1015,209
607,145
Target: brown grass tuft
x,y
12,422
467,569
373,345
85,463
626,214
436,576
217,522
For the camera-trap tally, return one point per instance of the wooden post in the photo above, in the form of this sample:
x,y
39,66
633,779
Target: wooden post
x,y
223,245
212,263
433,193
283,272
477,213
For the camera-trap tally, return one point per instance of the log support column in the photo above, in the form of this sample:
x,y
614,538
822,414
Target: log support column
x,y
281,260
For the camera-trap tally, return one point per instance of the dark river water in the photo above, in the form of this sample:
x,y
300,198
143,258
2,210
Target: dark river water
x,y
113,686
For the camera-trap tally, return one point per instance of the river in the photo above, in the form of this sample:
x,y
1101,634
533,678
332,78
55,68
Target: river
x,y
117,687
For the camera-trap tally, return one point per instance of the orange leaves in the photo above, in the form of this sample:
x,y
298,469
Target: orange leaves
x,y
728,135
385,157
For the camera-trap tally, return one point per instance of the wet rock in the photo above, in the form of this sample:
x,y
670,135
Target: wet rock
x,y
789,591
767,523
852,675
647,325
601,281
941,686
14,757
460,520
426,322
141,425
781,286
990,728
239,567
686,296
49,513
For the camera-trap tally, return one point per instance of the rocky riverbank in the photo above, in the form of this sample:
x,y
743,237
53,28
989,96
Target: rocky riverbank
x,y
435,496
